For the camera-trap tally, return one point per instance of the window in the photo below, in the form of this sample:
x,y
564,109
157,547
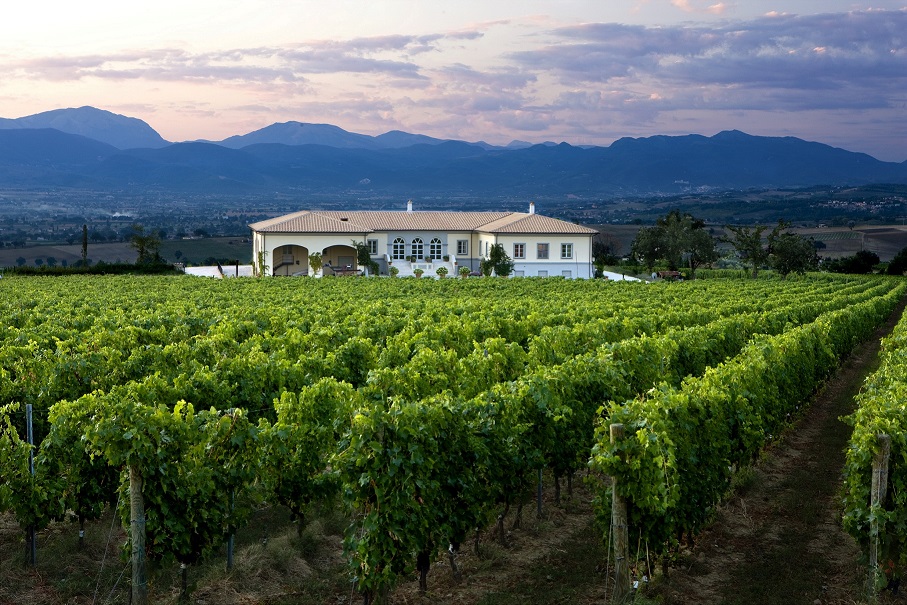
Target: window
x,y
519,251
372,246
398,249
541,251
566,250
567,273
462,247
543,273
434,248
417,248
519,273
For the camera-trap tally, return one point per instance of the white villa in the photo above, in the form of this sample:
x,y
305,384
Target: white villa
x,y
539,245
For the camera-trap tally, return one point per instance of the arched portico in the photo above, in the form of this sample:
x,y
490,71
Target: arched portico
x,y
339,258
289,260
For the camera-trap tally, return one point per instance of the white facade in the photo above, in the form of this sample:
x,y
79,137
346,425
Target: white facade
x,y
407,240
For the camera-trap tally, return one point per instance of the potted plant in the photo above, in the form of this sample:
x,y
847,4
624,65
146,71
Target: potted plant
x,y
446,258
315,263
427,259
393,271
464,271
411,259
418,272
441,271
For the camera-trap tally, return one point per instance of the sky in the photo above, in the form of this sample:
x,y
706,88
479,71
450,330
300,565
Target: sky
x,y
582,71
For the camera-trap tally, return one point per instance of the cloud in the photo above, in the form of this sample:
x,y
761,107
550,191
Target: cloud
x,y
390,55
533,74
828,53
689,6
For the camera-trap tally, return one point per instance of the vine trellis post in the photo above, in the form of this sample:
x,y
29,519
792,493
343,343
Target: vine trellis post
x,y
876,501
619,531
137,518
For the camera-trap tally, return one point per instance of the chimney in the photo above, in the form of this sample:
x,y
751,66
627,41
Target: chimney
x,y
531,207
409,206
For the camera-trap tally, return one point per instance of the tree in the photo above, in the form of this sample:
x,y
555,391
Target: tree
x,y
364,258
676,239
748,244
20,261
147,245
792,253
498,261
645,247
898,264
860,263
51,261
84,245
702,250
604,252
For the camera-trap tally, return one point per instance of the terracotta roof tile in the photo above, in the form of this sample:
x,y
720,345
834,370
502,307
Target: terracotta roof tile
x,y
368,221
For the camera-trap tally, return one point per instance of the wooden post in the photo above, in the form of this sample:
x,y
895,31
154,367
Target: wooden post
x,y
877,500
619,531
137,518
230,539
538,497
30,437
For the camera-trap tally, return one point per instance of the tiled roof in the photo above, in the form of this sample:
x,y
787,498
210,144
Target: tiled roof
x,y
535,223
368,221
308,222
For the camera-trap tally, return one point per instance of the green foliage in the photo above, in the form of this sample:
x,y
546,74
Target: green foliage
x,y
90,483
880,412
898,265
792,253
455,392
681,442
392,462
364,257
35,500
315,262
295,449
861,263
677,240
198,469
147,245
498,262
748,243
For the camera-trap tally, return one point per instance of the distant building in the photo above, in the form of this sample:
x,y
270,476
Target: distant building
x,y
540,246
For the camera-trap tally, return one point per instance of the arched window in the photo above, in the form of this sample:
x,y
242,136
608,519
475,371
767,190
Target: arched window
x,y
417,248
398,249
434,248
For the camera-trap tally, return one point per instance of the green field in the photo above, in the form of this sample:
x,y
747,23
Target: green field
x,y
195,251
408,411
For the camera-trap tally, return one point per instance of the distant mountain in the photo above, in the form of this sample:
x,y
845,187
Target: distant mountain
x,y
300,133
349,163
119,131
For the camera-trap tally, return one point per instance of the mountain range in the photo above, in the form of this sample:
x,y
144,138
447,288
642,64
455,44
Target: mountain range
x,y
94,149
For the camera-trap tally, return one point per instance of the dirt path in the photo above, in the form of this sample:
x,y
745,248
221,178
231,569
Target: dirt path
x,y
779,539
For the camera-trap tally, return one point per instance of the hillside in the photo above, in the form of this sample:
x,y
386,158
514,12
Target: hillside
x,y
296,157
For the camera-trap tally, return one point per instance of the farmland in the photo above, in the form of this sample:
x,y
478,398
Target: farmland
x,y
408,412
